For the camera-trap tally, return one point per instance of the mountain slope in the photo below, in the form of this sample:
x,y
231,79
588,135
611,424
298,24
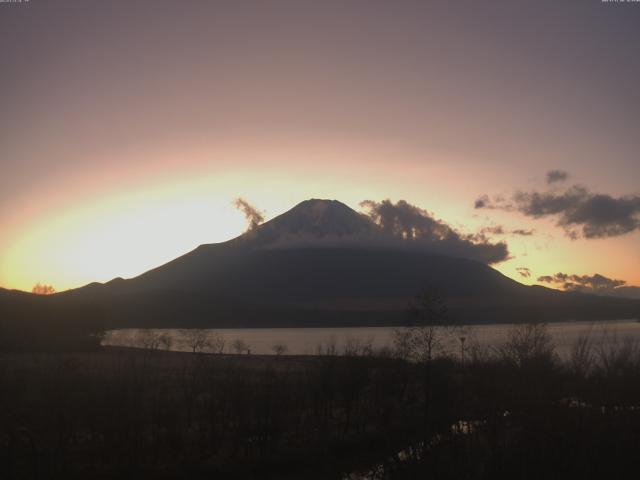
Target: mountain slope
x,y
319,250
323,263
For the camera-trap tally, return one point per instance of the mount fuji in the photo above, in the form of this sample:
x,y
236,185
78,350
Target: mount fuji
x,y
324,264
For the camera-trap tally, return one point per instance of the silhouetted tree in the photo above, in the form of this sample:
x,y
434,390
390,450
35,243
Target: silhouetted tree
x,y
166,340
527,343
148,339
239,345
40,289
421,340
197,339
279,348
216,343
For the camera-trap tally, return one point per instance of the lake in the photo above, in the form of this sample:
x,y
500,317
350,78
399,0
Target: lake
x,y
311,341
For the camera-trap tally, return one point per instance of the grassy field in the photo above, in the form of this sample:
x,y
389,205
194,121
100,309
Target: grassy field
x,y
514,412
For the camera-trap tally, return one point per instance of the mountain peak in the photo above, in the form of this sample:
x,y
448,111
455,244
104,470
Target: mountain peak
x,y
321,210
314,219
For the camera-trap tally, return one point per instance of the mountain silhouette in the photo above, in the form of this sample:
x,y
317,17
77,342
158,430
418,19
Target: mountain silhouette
x,y
322,264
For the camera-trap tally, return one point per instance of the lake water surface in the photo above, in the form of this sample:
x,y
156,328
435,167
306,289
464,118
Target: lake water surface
x,y
310,341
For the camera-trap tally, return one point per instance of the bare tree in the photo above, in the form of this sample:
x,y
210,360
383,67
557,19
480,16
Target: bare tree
x,y
329,348
148,339
216,343
527,343
239,345
426,341
40,289
197,339
402,343
423,339
279,348
615,355
165,340
354,347
581,357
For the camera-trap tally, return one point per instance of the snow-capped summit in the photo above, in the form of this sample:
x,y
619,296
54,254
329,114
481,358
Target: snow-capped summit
x,y
314,220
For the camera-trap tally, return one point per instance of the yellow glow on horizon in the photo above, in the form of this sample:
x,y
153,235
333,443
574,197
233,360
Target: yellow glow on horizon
x,y
103,227
124,229
124,237
550,254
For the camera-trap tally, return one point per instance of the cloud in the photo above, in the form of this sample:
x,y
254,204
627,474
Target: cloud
x,y
497,202
582,283
252,214
524,271
410,223
494,230
556,176
522,232
578,211
500,230
595,284
483,202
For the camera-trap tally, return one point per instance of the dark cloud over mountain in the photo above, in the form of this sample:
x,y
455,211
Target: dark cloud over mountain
x,y
524,271
580,212
410,223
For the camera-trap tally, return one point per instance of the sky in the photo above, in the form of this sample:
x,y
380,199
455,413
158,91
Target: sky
x,y
127,129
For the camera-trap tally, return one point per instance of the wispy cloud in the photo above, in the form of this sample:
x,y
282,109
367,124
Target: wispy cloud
x,y
596,284
556,176
500,230
582,283
252,214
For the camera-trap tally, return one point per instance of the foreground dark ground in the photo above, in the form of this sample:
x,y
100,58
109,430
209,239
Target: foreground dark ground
x,y
516,412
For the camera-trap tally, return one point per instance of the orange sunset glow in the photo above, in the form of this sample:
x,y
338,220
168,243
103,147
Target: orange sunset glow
x,y
100,229
122,152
